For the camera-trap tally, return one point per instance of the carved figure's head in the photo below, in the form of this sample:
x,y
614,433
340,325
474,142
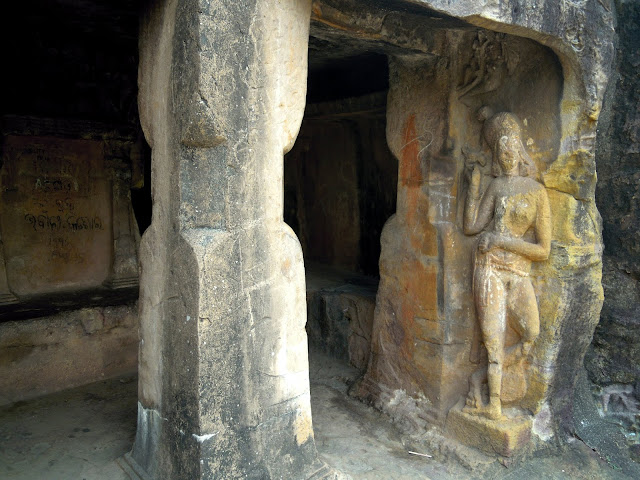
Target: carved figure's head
x,y
500,125
503,134
507,155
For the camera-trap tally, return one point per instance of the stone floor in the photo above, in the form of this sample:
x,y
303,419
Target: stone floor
x,y
79,434
75,434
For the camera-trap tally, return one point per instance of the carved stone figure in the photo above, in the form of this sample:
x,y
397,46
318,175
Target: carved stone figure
x,y
512,219
491,61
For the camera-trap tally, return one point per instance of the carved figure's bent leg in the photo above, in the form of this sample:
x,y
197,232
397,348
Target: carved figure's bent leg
x,y
522,308
474,397
490,295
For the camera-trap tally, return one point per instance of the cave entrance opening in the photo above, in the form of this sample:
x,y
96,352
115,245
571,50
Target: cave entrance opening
x,y
340,187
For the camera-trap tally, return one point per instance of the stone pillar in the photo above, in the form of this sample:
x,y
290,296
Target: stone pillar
x,y
223,386
412,339
124,269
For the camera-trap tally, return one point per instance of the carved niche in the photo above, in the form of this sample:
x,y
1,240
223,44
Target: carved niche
x,y
66,221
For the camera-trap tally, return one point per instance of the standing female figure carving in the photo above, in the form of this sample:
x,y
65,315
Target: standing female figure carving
x,y
512,219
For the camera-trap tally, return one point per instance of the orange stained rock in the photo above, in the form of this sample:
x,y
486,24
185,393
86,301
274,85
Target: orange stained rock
x,y
425,238
409,168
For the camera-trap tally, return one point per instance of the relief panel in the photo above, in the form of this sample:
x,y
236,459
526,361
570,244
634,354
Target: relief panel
x,y
56,212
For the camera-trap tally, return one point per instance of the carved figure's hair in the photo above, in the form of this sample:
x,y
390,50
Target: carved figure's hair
x,y
484,113
506,124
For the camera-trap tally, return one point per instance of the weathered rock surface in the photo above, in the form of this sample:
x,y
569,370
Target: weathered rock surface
x,y
613,360
48,354
551,70
615,355
340,309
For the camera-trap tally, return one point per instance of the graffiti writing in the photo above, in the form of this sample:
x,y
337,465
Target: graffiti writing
x,y
54,223
47,186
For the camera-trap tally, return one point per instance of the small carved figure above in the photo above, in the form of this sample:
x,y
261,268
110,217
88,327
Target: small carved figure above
x,y
512,221
491,61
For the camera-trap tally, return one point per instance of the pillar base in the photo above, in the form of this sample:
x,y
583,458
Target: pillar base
x,y
135,472
131,468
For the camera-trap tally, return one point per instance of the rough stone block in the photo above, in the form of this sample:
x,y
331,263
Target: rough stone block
x,y
44,355
502,437
339,320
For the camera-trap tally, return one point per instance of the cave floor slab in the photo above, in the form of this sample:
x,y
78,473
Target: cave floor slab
x,y
80,434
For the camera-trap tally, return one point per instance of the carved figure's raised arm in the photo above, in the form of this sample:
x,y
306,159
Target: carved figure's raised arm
x,y
476,219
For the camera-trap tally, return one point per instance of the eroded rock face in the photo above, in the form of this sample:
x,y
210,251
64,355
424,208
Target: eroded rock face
x,y
52,353
614,356
425,314
613,361
618,157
